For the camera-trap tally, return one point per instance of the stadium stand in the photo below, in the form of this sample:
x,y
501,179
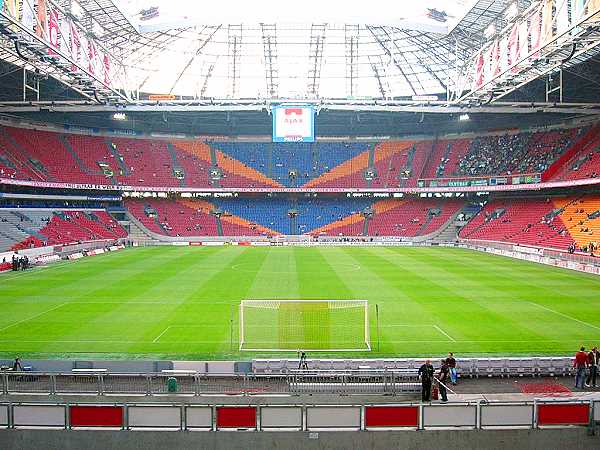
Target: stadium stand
x,y
534,221
582,160
49,156
445,157
515,153
317,216
23,229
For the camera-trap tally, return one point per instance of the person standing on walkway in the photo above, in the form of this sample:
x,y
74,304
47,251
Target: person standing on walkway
x,y
580,364
426,375
593,363
452,367
443,379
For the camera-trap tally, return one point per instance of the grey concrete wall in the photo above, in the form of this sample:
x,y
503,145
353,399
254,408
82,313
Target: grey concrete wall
x,y
559,439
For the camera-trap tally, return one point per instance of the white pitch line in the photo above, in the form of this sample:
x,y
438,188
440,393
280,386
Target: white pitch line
x,y
564,315
444,333
34,317
160,335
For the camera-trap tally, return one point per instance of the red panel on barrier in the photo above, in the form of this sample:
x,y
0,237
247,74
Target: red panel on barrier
x,y
228,417
391,416
563,414
96,416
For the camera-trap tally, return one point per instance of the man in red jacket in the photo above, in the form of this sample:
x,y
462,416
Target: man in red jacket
x,y
580,364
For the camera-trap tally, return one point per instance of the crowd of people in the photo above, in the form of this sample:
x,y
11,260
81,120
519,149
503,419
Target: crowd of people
x,y
19,262
513,153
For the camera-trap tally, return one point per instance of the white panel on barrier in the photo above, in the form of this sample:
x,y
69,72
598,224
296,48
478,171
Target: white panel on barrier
x,y
450,416
597,411
196,366
3,415
198,417
328,417
506,415
281,417
220,367
40,416
154,416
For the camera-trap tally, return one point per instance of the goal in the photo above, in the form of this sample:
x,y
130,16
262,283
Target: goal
x,y
311,325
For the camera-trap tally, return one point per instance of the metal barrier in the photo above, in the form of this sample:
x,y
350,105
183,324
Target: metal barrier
x,y
314,382
305,417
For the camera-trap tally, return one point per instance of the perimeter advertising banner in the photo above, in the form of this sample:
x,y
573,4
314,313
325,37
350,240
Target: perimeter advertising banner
x,y
293,123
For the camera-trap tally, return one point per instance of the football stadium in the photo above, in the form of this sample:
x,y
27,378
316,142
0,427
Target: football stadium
x,y
325,225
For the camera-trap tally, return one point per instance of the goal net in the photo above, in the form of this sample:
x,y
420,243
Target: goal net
x,y
312,325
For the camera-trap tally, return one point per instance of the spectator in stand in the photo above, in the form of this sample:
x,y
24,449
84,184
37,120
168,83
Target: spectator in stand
x,y
580,364
593,362
426,375
452,368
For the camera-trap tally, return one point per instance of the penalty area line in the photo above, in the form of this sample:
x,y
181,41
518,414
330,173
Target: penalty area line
x,y
444,333
565,315
34,317
161,334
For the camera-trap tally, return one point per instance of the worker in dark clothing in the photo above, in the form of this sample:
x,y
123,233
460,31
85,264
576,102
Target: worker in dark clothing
x,y
426,375
17,367
443,377
593,363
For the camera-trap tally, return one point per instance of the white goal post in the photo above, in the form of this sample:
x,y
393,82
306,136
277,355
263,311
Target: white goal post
x,y
304,325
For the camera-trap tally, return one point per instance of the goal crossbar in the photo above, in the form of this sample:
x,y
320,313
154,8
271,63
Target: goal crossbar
x,y
304,325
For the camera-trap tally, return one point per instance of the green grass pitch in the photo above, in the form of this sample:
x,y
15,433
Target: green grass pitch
x,y
182,302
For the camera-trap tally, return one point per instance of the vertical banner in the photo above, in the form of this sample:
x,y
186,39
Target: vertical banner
x,y
577,10
593,6
91,56
84,59
64,40
562,16
99,63
535,32
106,64
547,27
75,45
28,17
495,59
513,46
523,40
42,20
11,9
503,60
52,30
479,63
487,67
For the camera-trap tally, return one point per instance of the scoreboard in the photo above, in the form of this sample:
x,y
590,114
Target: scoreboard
x,y
293,123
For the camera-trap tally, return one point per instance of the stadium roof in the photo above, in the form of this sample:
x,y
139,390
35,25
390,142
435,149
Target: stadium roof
x,y
333,49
